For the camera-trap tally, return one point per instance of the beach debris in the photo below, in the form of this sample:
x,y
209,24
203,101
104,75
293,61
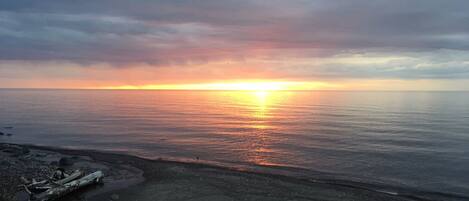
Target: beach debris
x,y
59,174
59,184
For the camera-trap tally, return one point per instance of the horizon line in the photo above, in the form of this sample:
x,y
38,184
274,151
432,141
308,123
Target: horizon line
x,y
246,90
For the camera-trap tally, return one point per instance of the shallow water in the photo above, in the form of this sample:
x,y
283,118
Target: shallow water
x,y
415,140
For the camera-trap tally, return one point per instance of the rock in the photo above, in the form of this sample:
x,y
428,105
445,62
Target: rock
x,y
64,161
9,134
1,133
8,127
54,163
114,197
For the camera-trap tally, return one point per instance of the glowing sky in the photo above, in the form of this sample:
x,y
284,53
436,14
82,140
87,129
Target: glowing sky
x,y
214,44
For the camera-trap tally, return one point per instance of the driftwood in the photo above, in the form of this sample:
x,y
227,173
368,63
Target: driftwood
x,y
68,184
75,175
34,187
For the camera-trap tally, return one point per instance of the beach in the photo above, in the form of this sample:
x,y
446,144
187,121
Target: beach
x,y
133,178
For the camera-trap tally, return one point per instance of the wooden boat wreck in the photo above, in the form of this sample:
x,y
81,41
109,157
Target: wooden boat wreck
x,y
48,190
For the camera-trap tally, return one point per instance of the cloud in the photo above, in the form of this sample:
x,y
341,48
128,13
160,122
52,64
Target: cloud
x,y
125,33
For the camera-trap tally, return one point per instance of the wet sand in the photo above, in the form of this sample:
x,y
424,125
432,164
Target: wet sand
x,y
133,178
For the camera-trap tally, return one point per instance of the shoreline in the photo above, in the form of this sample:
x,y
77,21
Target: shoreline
x,y
130,177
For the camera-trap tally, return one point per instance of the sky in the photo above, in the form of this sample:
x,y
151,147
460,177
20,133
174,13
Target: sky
x,y
176,44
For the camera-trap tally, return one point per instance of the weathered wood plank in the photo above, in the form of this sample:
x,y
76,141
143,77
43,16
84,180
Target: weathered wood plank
x,y
61,190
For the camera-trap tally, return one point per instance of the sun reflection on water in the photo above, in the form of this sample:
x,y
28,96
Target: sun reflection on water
x,y
258,108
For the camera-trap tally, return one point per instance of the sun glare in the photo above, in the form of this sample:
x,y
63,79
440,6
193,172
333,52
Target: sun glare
x,y
235,86
248,86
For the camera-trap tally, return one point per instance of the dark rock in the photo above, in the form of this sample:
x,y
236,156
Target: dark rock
x,y
9,134
64,161
1,133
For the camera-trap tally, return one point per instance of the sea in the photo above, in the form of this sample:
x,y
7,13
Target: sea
x,y
394,142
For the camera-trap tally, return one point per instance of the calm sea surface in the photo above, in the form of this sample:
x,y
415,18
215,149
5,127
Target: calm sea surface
x,y
414,140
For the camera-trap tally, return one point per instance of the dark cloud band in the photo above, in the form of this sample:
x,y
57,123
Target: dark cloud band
x,y
121,32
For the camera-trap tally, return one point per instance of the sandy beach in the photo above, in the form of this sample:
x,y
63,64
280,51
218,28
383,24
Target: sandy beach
x,y
134,178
